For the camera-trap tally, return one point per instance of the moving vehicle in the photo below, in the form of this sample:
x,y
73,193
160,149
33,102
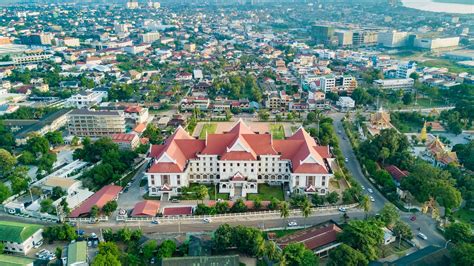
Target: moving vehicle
x,y
342,209
372,199
292,223
422,236
370,190
207,220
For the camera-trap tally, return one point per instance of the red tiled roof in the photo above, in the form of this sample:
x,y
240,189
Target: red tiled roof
x,y
146,208
133,109
395,172
312,238
164,168
172,211
238,156
100,198
140,128
122,137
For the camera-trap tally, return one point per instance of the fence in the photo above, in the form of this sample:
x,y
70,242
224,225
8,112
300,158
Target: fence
x,y
294,212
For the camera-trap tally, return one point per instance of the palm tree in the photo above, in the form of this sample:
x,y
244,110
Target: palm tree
x,y
366,204
306,209
271,251
284,211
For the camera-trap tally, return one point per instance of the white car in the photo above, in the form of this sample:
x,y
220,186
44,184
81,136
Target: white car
x,y
342,209
207,220
361,186
372,199
422,236
291,224
346,160
370,190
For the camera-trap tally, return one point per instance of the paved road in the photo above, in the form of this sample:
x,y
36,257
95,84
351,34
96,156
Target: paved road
x,y
353,165
423,222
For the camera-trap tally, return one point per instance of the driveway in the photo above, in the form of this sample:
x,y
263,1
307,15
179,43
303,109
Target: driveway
x,y
134,194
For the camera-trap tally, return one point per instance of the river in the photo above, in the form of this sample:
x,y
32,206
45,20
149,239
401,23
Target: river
x,y
429,5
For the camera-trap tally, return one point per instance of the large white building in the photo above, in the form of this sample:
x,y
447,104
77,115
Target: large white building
x,y
88,123
87,99
338,83
238,160
394,84
393,39
405,69
436,43
150,37
20,237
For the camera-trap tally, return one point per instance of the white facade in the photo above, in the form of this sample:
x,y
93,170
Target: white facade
x,y
431,44
345,102
405,69
26,246
87,99
150,37
393,39
394,84
237,161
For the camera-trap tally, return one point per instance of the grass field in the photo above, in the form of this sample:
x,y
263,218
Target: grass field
x,y
451,65
277,130
392,248
267,192
209,128
282,233
464,215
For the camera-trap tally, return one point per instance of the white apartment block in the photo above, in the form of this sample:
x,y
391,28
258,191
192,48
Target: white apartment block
x,y
405,69
394,84
150,37
238,160
86,99
88,123
31,58
338,83
345,102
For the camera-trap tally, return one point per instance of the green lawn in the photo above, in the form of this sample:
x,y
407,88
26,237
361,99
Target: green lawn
x,y
277,131
421,103
210,192
267,192
464,215
451,65
282,233
209,128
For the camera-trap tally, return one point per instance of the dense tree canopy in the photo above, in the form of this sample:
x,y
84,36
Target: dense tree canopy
x,y
364,236
345,255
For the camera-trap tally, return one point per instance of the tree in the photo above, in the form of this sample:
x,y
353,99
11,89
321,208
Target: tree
x,y
407,98
27,158
239,206
459,232
47,205
284,210
166,249
57,193
363,235
296,254
389,214
366,205
317,200
447,195
58,252
248,240
222,207
54,138
271,251
463,254
2,247
94,211
345,255
264,115
257,203
5,192
223,237
201,192
149,249
332,197
46,162
110,207
106,260
125,234
274,204
75,141
306,208
384,154
38,145
402,230
7,162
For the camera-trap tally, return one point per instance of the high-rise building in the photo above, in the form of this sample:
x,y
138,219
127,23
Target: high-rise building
x,y
322,34
88,123
393,39
344,38
37,39
364,38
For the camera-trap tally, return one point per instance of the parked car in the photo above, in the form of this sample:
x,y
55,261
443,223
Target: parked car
x,y
207,220
342,209
155,222
292,223
37,245
370,190
346,160
422,236
413,218
372,199
361,186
